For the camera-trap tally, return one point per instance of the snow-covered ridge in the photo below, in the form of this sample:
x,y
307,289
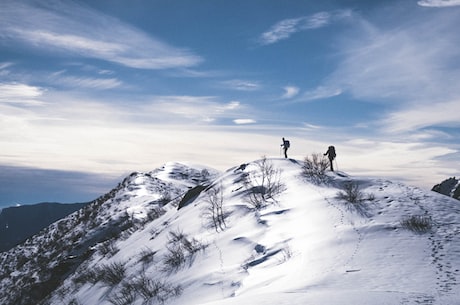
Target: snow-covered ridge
x,y
264,232
32,270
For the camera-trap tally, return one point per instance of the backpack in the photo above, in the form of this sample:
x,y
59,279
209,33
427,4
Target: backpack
x,y
332,152
286,144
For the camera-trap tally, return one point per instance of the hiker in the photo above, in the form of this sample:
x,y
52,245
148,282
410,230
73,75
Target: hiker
x,y
331,155
285,146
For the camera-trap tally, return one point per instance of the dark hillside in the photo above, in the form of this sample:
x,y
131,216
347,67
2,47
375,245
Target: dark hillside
x,y
19,223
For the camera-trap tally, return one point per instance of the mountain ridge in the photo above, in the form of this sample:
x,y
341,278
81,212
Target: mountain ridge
x,y
266,232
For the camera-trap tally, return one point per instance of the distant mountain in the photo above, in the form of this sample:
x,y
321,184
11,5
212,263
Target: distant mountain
x,y
268,232
21,222
449,187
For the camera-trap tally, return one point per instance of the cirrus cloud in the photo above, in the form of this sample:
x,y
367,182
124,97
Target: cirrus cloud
x,y
446,114
439,3
69,28
411,69
242,85
287,27
88,82
321,92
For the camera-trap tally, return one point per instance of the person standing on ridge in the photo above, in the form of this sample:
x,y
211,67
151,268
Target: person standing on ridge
x,y
331,155
285,146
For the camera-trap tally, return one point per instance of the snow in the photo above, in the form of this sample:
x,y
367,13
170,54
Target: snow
x,y
307,246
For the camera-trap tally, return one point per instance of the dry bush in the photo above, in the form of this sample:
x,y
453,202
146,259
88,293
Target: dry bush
x,y
150,290
355,198
112,274
314,168
125,296
180,249
155,290
214,210
146,256
418,223
351,193
264,185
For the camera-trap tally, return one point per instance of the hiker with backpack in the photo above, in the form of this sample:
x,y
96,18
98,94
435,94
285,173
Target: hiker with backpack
x,y
285,146
331,155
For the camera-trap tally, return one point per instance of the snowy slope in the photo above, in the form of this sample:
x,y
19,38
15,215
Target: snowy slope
x,y
29,272
305,245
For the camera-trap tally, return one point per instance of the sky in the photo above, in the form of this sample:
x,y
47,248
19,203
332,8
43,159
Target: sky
x,y
91,91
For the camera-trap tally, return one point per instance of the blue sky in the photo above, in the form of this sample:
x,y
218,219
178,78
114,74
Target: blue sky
x,y
93,90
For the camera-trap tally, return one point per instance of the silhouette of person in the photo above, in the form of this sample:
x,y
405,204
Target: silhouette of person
x,y
285,146
331,155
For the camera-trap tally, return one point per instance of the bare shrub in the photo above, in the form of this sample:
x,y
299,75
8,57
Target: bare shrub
x,y
125,296
154,290
174,259
112,274
150,290
156,212
181,249
92,276
191,245
351,193
264,184
214,210
315,167
146,256
108,248
355,198
417,223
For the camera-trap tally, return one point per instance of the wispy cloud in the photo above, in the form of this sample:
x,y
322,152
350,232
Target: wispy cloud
x,y
409,68
87,82
130,135
287,27
232,105
190,109
290,92
56,26
244,121
19,93
413,158
4,65
242,85
320,92
438,3
4,71
445,114
309,126
282,30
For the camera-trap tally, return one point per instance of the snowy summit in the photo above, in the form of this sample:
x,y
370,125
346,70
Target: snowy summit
x,y
272,231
